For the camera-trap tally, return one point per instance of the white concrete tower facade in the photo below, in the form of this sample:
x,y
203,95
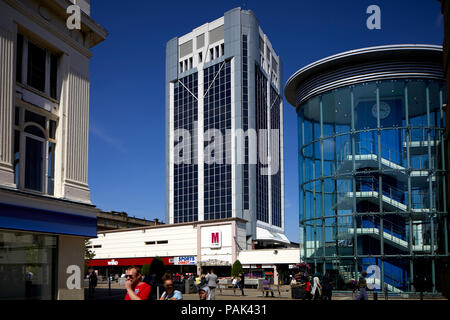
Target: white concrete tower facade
x,y
224,128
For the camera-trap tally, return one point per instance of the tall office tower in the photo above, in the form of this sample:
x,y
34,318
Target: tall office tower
x,y
224,108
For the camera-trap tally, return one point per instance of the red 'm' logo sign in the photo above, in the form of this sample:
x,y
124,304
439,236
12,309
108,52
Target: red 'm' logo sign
x,y
216,241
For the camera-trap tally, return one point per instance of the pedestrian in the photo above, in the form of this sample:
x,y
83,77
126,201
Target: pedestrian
x,y
266,287
316,290
92,282
203,281
170,293
212,281
204,293
242,282
362,286
327,287
307,284
234,284
197,281
136,289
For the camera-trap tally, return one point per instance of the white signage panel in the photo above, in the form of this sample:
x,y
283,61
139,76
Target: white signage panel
x,y
189,260
216,239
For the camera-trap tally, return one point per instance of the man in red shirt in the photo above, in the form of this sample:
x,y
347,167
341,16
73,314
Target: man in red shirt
x,y
136,289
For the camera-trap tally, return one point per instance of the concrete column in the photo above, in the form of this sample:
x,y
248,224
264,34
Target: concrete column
x,y
76,167
275,275
199,249
7,87
70,253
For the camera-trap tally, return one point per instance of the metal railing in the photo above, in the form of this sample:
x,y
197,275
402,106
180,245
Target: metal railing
x,y
370,147
420,198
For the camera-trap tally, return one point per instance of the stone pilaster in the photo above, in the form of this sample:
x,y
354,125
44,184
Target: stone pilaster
x,y
6,105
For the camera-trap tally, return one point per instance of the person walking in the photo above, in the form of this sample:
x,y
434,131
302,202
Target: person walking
x,y
234,284
307,285
203,281
197,282
170,293
362,286
92,283
327,287
266,287
242,282
317,287
212,281
136,289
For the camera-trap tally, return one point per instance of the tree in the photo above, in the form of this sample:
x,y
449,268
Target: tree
x,y
145,271
236,269
88,253
157,267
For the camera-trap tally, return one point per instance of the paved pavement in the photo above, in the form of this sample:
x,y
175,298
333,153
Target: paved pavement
x,y
118,293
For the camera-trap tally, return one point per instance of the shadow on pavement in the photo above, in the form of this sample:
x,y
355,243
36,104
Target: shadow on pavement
x,y
104,294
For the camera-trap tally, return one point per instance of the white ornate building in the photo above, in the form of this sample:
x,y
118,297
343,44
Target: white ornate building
x,y
45,207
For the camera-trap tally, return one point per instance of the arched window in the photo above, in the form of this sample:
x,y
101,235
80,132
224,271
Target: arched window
x,y
34,150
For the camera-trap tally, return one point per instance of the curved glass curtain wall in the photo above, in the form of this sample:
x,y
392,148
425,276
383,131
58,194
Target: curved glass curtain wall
x,y
372,189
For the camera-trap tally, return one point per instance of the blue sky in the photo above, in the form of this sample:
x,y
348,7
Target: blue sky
x,y
127,116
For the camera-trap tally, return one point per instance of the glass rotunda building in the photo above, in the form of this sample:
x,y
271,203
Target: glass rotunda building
x,y
371,165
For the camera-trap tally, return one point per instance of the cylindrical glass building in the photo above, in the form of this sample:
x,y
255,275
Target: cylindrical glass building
x,y
371,165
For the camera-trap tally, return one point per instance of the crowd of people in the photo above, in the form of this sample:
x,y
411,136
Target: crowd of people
x,y
137,289
313,287
316,287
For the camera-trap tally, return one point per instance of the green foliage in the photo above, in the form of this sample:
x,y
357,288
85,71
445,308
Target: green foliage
x,y
157,267
88,254
145,271
237,268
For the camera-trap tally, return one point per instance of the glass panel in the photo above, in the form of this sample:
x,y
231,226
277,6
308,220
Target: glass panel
x,y
19,59
51,168
35,131
336,111
365,118
53,76
27,263
34,164
17,116
36,67
36,118
16,157
52,129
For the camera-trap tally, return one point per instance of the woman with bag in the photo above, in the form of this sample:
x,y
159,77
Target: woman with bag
x,y
317,287
234,283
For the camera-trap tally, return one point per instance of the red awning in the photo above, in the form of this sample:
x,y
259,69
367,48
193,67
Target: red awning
x,y
124,262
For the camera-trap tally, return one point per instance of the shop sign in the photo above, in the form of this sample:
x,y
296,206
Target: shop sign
x,y
216,239
189,260
113,263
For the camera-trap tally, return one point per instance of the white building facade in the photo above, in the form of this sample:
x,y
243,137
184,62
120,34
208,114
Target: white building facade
x,y
223,83
185,247
45,208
